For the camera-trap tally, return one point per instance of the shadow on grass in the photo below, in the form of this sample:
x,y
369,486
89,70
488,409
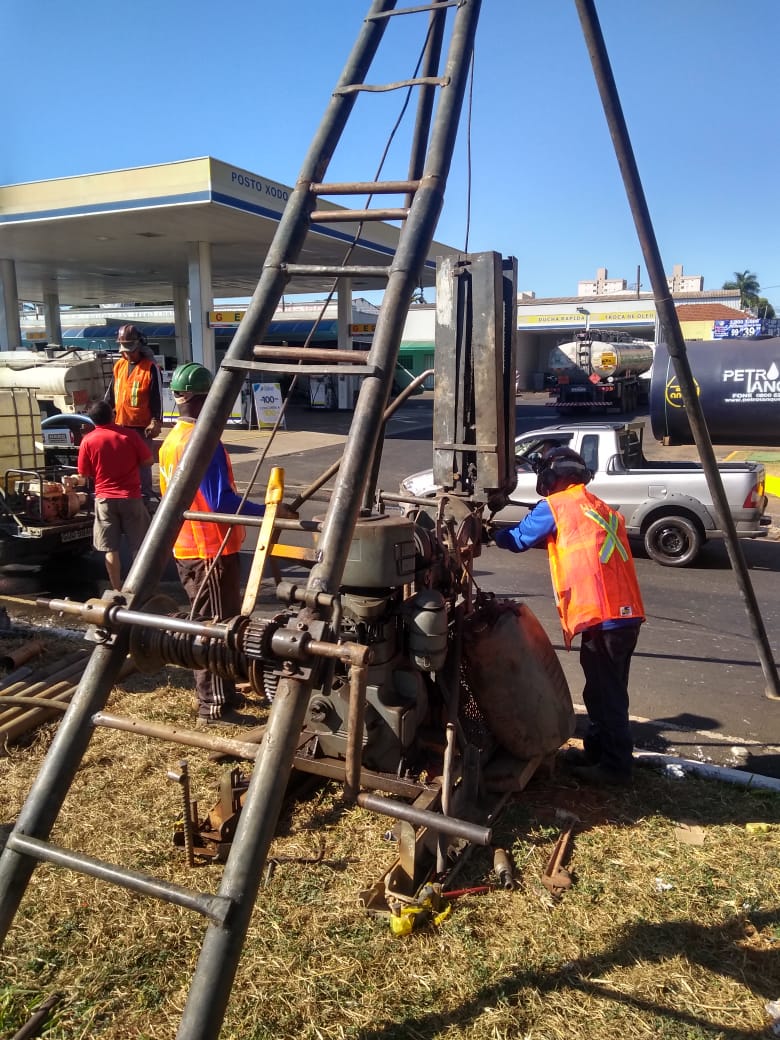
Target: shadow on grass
x,y
711,948
731,949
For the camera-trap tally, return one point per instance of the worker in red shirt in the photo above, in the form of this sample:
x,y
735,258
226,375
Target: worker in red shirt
x,y
135,394
111,456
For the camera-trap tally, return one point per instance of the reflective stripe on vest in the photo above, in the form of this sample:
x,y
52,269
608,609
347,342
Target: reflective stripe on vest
x,y
195,540
612,541
591,565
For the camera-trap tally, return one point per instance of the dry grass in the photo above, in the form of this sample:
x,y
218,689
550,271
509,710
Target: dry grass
x,y
620,955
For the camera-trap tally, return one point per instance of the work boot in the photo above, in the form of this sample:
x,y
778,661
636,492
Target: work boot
x,y
599,775
574,756
235,705
229,717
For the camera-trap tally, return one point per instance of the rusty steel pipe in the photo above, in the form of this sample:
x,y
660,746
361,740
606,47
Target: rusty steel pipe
x,y
37,1020
110,615
365,187
43,688
675,340
446,795
251,521
306,354
189,738
19,700
326,216
183,779
358,678
25,653
471,832
22,675
26,720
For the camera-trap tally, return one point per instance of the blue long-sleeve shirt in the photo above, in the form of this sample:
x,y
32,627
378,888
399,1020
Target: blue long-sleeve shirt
x,y
533,529
216,488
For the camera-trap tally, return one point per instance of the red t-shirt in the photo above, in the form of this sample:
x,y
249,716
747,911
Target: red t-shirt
x,y
111,456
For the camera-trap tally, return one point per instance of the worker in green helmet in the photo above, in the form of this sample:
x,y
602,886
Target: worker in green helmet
x,y
211,578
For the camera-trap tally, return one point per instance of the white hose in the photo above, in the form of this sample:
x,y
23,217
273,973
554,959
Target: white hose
x,y
709,770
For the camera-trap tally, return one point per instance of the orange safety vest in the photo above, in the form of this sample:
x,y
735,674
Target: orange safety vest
x,y
196,540
591,564
131,392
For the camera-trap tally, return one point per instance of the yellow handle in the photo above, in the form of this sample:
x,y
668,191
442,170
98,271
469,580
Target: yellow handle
x,y
274,492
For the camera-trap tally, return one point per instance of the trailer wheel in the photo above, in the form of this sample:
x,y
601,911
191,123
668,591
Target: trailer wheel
x,y
673,541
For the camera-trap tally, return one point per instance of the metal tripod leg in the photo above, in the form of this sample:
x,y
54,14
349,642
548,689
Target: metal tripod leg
x,y
222,945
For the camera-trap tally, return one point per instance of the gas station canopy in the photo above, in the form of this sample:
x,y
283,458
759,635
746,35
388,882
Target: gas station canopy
x,y
132,235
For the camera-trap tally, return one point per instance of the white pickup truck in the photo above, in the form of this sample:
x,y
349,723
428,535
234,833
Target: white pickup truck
x,y
665,504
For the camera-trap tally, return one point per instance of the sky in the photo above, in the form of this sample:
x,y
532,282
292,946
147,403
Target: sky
x,y
100,86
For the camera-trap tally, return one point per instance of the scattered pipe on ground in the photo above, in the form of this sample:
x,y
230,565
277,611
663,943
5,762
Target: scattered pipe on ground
x,y
16,658
709,770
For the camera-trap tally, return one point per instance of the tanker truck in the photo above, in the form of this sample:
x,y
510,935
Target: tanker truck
x,y
62,380
598,370
738,384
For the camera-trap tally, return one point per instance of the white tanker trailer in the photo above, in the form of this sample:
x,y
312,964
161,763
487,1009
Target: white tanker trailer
x,y
62,380
599,369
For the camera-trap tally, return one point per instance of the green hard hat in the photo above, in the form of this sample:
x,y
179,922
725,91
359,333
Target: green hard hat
x,y
191,378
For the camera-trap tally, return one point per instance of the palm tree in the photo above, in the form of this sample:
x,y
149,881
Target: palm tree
x,y
765,308
749,288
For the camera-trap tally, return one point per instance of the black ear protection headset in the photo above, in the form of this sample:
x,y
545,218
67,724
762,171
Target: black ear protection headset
x,y
558,466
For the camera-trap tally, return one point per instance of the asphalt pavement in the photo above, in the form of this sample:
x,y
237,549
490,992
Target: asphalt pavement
x,y
697,687
698,684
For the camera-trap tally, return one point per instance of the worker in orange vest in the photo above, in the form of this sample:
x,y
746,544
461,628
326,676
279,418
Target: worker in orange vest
x,y
598,598
135,394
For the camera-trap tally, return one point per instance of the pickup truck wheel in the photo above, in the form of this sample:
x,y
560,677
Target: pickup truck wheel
x,y
673,541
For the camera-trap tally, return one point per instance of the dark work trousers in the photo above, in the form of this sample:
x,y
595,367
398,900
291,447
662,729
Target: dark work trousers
x,y
220,598
605,656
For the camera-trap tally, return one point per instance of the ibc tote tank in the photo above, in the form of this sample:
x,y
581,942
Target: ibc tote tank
x,y
738,382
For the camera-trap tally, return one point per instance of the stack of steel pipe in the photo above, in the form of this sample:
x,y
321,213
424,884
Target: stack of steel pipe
x,y
55,683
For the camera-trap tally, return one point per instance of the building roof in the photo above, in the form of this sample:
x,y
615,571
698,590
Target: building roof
x,y
645,297
707,312
129,235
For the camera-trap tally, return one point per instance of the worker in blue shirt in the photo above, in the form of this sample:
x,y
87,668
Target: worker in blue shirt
x,y
598,598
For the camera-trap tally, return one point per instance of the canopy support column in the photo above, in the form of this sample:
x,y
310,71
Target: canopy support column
x,y
181,319
201,302
51,315
10,329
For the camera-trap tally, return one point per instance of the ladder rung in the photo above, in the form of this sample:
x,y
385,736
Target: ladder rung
x,y
305,370
216,908
412,10
365,188
252,521
489,447
326,356
380,88
339,216
342,271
